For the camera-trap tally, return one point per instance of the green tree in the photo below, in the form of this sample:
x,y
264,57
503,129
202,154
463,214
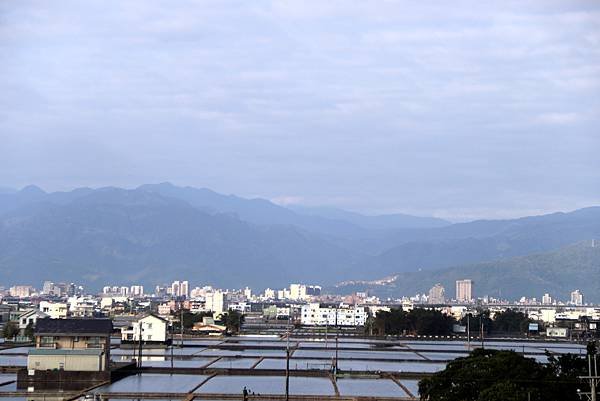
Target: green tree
x,y
233,320
490,375
189,319
419,321
510,321
10,330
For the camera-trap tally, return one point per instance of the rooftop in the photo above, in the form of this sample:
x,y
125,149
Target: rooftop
x,y
74,326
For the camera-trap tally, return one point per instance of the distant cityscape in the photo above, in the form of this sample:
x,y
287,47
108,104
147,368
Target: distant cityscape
x,y
302,303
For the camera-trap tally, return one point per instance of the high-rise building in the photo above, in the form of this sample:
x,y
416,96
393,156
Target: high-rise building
x,y
577,298
464,290
175,288
184,289
436,294
217,301
21,291
547,299
137,290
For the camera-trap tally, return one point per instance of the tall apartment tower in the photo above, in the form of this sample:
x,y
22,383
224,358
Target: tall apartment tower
x,y
436,295
175,288
464,290
577,298
184,289
546,299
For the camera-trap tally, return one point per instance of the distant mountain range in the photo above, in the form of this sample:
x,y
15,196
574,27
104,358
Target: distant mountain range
x,y
557,272
160,232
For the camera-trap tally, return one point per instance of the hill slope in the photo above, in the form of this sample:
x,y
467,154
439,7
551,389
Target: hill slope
x,y
558,273
120,236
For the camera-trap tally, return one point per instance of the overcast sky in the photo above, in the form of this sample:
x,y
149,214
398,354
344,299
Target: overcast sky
x,y
453,109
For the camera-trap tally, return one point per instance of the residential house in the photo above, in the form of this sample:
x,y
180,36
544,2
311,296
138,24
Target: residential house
x,y
71,345
152,328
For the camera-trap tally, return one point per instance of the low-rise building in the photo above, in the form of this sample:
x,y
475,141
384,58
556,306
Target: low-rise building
x,y
71,345
151,328
315,314
30,317
56,310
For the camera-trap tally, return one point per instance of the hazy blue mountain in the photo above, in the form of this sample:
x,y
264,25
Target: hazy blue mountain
x,y
558,272
378,222
257,211
119,236
29,195
480,241
159,232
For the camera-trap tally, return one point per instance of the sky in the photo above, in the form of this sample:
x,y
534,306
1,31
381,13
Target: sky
x,y
455,109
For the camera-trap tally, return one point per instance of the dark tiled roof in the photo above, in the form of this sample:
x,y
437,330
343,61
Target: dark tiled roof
x,y
73,326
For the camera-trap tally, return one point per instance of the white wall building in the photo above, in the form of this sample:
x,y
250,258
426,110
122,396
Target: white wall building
x,y
577,298
153,329
217,301
54,310
30,317
315,314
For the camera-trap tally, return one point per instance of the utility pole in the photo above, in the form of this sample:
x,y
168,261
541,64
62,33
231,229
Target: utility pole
x,y
181,309
481,323
172,345
337,337
140,329
469,332
287,362
592,378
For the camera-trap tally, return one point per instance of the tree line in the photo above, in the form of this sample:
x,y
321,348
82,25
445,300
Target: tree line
x,y
422,321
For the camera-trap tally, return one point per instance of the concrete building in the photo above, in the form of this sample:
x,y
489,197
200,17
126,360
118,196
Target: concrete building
x,y
576,298
436,294
217,301
302,292
547,299
136,290
56,310
315,314
21,291
464,290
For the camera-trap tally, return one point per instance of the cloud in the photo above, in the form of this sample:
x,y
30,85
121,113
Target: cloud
x,y
426,107
559,118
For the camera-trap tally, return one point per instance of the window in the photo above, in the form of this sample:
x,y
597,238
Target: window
x,y
47,341
94,342
149,325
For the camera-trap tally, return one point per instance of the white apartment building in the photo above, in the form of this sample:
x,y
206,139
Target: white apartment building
x,y
464,290
180,289
302,292
315,314
577,298
547,299
21,291
217,301
136,290
56,310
